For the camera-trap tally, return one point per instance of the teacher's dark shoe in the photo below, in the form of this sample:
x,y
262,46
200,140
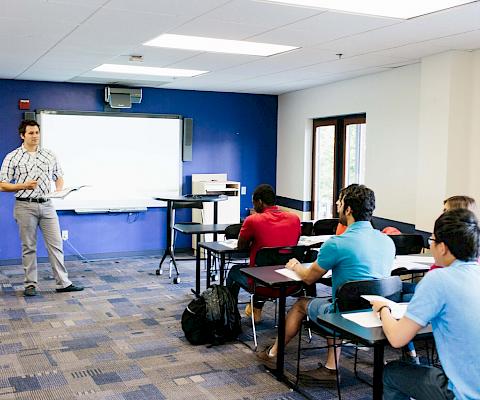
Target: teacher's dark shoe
x,y
30,291
71,288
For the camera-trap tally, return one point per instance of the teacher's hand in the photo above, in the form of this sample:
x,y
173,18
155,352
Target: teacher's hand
x,y
30,185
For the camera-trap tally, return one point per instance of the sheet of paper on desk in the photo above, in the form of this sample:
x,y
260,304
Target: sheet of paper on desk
x,y
398,309
408,265
289,274
367,319
310,240
231,243
417,259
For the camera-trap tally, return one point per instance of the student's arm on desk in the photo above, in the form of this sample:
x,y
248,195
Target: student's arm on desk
x,y
400,332
309,275
15,187
243,244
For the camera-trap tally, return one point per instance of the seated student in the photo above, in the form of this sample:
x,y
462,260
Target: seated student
x,y
455,202
447,298
268,227
360,253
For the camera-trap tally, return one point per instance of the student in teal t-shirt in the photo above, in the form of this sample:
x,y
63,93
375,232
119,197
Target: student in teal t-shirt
x,y
360,253
449,299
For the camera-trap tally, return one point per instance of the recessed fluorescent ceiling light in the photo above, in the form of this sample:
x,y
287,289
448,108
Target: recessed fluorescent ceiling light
x,y
386,8
217,45
133,69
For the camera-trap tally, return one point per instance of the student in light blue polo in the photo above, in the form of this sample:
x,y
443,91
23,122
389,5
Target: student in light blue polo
x,y
449,299
360,253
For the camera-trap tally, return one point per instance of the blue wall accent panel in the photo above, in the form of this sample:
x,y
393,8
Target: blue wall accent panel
x,y
233,133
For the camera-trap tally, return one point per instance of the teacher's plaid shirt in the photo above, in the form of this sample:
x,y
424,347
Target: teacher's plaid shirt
x,y
20,166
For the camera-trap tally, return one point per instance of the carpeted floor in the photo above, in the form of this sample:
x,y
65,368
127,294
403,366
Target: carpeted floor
x,y
121,339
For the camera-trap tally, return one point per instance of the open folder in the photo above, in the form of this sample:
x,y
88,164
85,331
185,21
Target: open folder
x,y
61,194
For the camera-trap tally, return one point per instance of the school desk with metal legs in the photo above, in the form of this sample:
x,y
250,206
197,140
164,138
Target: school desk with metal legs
x,y
171,199
199,229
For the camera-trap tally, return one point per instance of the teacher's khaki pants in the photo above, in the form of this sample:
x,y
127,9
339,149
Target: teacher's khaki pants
x,y
29,217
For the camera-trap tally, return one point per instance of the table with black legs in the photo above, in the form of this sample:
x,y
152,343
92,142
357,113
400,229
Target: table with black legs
x,y
372,337
171,199
268,277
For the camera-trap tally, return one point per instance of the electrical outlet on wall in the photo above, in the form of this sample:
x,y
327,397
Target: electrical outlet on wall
x,y
243,190
65,235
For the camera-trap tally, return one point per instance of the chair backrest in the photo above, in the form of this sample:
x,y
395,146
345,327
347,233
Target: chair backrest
x,y
348,295
279,255
187,204
307,228
232,231
325,226
407,243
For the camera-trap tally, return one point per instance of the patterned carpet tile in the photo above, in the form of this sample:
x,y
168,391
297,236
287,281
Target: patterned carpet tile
x,y
121,339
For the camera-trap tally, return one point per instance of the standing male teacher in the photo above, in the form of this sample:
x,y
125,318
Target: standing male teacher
x,y
29,171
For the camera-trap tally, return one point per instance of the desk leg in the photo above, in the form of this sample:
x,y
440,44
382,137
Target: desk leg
x,y
378,351
169,237
281,334
197,267
209,267
215,219
222,268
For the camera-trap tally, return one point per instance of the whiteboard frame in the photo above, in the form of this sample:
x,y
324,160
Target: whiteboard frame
x,y
128,208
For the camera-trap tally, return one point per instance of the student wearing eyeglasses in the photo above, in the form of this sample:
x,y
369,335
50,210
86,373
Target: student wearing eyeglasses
x,y
448,299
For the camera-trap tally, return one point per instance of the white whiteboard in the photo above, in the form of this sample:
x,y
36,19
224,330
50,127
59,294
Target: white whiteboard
x,y
126,159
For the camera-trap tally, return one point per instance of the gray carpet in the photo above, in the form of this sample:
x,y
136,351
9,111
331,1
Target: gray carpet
x,y
121,339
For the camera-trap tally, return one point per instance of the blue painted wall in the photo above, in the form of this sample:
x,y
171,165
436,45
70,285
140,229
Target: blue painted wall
x,y
233,133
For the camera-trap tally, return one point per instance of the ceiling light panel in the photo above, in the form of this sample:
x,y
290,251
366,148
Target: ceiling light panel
x,y
153,71
386,8
214,45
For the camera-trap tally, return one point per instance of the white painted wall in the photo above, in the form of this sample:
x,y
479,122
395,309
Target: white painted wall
x,y
391,102
423,134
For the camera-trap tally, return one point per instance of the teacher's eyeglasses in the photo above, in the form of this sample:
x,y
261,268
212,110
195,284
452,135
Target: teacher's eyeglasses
x,y
432,240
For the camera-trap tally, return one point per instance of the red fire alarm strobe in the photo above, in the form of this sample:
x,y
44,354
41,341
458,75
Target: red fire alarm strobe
x,y
24,104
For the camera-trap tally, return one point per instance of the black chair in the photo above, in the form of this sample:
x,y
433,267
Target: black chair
x,y
307,228
274,256
325,226
232,231
348,298
408,243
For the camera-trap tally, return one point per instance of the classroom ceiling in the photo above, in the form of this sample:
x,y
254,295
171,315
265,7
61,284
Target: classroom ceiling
x,y
63,40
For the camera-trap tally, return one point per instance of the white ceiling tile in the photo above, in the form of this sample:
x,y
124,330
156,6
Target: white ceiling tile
x,y
324,27
463,41
172,7
267,15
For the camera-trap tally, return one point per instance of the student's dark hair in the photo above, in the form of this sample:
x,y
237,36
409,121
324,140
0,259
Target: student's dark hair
x,y
23,125
361,200
459,230
461,202
265,193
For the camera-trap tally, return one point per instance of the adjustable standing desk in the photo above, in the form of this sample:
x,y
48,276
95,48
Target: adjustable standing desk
x,y
170,199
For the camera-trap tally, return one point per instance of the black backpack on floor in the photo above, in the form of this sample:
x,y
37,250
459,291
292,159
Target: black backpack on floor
x,y
211,318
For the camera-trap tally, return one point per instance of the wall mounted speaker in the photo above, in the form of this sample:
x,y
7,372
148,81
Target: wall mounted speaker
x,y
187,139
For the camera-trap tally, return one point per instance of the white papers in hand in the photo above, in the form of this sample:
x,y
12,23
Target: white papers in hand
x,y
61,194
230,243
289,274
